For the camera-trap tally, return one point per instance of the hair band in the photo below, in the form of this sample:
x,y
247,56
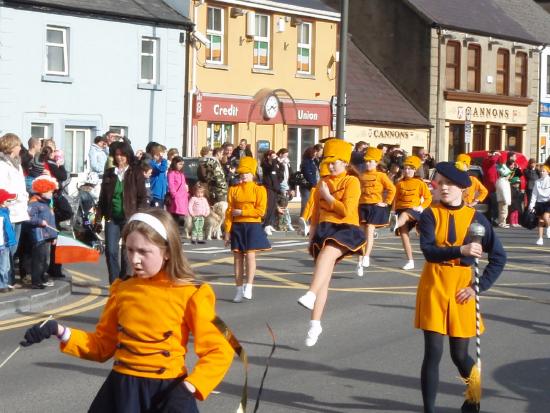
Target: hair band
x,y
152,221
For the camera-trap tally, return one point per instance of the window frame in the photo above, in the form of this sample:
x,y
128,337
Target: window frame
x,y
257,39
476,69
305,46
47,129
213,32
223,135
121,130
142,54
73,161
505,72
64,46
522,75
456,66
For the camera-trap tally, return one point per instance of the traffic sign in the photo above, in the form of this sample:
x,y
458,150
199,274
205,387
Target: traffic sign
x,y
468,132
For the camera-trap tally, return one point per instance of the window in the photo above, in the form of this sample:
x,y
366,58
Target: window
x,y
474,68
520,86
41,130
149,60
76,142
261,42
452,71
121,130
57,61
495,138
514,141
456,140
218,133
299,139
214,32
503,71
304,48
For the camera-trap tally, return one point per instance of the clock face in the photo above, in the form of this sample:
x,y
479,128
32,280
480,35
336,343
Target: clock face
x,y
271,107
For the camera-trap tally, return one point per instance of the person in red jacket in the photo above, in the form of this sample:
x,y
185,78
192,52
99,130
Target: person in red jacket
x,y
490,176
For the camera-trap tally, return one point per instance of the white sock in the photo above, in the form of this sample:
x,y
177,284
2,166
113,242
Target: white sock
x,y
315,323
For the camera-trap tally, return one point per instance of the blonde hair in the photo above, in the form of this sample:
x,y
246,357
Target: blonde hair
x,y
8,142
177,267
49,142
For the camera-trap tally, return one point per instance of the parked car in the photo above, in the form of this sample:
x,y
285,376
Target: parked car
x,y
190,170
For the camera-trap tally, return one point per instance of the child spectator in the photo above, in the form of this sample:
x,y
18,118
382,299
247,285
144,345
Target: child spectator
x,y
198,209
172,152
159,182
516,207
178,192
147,170
7,239
43,233
284,221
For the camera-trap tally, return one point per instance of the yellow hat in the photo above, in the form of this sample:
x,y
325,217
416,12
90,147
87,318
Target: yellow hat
x,y
464,158
546,167
323,169
337,149
247,165
412,161
373,154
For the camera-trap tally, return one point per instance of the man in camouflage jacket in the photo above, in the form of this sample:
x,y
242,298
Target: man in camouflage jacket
x,y
212,174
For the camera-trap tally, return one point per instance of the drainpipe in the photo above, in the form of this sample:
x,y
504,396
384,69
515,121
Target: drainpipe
x,y
186,95
438,99
193,89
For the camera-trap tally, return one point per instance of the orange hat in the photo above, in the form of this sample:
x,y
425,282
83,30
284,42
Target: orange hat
x,y
412,161
6,196
44,183
335,149
373,154
323,169
464,158
247,165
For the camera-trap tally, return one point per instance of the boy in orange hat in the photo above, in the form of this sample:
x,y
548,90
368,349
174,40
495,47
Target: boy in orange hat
x,y
411,198
43,232
7,239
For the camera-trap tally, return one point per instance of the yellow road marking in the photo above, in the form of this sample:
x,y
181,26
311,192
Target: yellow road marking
x,y
273,277
85,276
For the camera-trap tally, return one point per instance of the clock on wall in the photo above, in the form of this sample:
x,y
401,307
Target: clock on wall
x,y
271,107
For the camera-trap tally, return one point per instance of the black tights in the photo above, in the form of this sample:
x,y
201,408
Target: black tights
x,y
433,350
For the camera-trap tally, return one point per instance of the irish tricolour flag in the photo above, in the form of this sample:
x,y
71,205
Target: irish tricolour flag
x,y
68,250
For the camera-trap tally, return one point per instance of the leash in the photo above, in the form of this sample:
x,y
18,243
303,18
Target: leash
x,y
273,347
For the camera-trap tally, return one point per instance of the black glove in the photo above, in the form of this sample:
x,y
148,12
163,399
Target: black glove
x,y
36,334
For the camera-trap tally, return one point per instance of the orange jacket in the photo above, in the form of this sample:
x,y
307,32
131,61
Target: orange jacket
x,y
476,192
250,198
145,326
412,193
346,191
373,185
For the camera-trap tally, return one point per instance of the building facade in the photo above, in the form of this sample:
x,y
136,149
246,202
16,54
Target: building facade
x,y
73,70
265,71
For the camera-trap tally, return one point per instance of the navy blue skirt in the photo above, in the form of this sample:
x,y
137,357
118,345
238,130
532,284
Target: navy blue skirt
x,y
542,208
410,224
351,237
248,236
373,214
122,393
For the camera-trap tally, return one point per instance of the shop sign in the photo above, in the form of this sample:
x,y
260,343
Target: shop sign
x,y
486,113
393,134
545,110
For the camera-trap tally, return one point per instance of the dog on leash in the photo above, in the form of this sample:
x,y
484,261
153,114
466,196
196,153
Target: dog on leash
x,y
212,223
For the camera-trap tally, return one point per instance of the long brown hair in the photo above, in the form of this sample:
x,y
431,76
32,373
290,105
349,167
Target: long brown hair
x,y
177,267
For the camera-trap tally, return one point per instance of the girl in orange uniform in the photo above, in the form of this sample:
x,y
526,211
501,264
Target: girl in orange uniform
x,y
377,192
477,192
445,301
145,327
246,206
411,198
334,231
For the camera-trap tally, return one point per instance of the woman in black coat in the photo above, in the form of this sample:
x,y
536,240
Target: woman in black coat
x,y
271,178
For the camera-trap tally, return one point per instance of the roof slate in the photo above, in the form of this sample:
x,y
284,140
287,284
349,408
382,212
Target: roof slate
x,y
371,96
531,16
310,4
496,18
148,10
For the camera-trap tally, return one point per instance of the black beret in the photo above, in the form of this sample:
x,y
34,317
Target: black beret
x,y
454,172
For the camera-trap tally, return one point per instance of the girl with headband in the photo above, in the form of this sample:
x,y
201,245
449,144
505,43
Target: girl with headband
x,y
145,327
246,207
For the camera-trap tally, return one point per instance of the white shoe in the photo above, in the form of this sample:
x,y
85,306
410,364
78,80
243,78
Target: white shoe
x,y
239,295
540,241
547,232
247,291
290,227
366,261
307,300
304,227
268,231
313,334
409,265
359,269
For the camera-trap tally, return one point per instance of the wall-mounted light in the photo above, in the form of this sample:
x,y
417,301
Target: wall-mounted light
x,y
295,21
469,39
517,46
183,37
447,35
493,42
280,25
200,37
250,24
236,12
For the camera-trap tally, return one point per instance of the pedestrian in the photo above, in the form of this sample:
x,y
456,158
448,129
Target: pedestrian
x,y
241,151
287,191
411,198
531,173
146,324
357,160
159,181
515,210
503,190
199,209
490,177
98,154
476,192
171,153
147,171
334,232
310,171
395,173
377,192
246,206
122,194
7,239
178,192
271,179
212,175
445,300
42,227
428,163
540,202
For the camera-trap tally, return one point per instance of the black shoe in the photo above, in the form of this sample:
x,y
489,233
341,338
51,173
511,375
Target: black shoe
x,y
201,241
470,407
37,286
193,242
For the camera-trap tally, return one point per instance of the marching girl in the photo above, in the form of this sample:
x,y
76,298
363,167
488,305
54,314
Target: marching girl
x,y
145,327
445,301
246,206
308,208
377,192
540,202
411,198
476,192
334,232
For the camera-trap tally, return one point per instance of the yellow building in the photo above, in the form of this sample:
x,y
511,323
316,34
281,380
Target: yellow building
x,y
264,71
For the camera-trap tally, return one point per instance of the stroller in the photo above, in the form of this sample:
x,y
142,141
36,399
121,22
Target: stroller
x,y
83,223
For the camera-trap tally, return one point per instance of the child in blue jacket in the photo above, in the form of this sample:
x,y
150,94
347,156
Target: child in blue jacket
x,y
7,239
